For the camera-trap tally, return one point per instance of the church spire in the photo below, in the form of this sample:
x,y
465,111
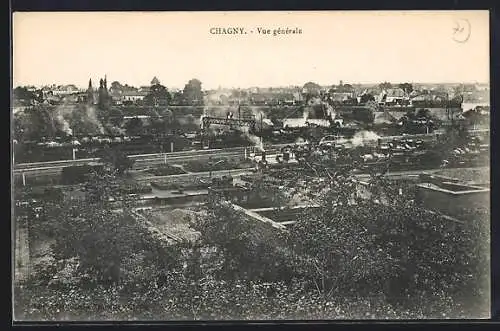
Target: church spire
x,y
90,84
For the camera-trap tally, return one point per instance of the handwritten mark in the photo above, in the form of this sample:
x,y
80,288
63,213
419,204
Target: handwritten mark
x,y
462,30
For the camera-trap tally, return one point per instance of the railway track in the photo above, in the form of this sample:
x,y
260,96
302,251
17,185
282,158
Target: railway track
x,y
145,160
141,161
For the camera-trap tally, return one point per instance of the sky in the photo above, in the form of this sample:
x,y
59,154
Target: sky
x,y
355,47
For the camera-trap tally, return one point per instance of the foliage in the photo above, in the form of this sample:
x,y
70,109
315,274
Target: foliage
x,y
116,160
35,123
241,246
407,87
134,126
311,86
365,98
192,93
456,135
350,257
23,95
385,86
158,96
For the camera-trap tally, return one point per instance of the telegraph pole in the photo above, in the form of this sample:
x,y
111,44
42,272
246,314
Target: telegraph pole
x,y
14,143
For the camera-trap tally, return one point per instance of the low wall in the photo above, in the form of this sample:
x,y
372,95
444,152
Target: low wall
x,y
452,199
264,228
282,214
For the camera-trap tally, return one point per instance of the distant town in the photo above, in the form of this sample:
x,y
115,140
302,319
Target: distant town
x,y
399,94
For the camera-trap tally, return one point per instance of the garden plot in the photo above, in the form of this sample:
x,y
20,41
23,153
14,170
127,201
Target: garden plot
x,y
175,222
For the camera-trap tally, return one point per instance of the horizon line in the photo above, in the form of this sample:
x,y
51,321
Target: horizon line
x,y
269,86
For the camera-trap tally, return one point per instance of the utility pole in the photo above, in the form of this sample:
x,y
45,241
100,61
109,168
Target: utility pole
x,y
14,143
164,153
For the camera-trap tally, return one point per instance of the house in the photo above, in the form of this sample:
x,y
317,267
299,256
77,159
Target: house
x,y
145,89
65,90
51,98
340,96
287,99
298,97
132,96
393,96
429,100
116,96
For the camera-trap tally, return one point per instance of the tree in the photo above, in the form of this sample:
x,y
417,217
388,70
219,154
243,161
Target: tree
x,y
311,89
26,97
385,85
456,136
157,96
40,121
407,87
333,247
115,116
117,161
104,233
192,93
134,126
366,97
178,98
84,120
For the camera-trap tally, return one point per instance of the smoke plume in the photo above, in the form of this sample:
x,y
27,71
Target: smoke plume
x,y
62,113
300,140
92,117
363,138
256,141
382,118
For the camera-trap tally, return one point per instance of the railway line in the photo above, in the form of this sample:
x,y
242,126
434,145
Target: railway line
x,y
143,161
